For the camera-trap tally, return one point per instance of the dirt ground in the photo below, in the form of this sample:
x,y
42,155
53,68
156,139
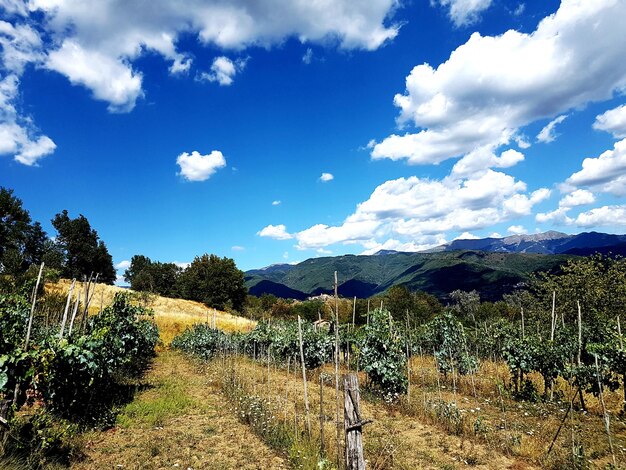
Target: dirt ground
x,y
179,421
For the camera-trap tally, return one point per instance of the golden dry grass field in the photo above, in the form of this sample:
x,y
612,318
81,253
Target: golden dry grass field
x,y
171,315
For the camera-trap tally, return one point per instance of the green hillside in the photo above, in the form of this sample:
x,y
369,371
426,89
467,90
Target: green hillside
x,y
492,274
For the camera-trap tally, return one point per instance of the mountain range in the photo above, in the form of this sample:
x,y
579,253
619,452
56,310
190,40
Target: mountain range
x,y
492,266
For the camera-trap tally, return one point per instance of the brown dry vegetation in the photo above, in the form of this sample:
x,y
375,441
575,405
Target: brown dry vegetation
x,y
180,420
395,439
171,315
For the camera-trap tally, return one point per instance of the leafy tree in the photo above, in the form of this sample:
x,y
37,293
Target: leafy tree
x,y
84,253
22,242
144,274
214,281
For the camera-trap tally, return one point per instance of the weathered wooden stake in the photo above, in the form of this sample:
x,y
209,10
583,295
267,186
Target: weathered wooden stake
x,y
32,308
353,424
67,306
322,443
553,326
69,332
337,422
523,333
306,392
607,422
580,333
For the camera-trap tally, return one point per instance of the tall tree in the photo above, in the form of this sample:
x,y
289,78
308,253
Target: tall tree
x,y
22,242
215,282
85,254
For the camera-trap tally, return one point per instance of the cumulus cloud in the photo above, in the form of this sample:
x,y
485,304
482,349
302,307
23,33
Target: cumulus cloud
x,y
238,248
276,203
95,44
464,12
125,264
606,173
396,245
613,121
579,197
420,210
467,236
112,34
109,79
548,133
517,230
491,86
223,70
602,216
197,167
277,232
482,158
19,45
326,177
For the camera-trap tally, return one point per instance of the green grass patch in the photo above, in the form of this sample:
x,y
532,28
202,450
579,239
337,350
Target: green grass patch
x,y
154,407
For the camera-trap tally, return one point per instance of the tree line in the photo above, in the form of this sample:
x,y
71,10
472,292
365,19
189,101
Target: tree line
x,y
75,250
214,281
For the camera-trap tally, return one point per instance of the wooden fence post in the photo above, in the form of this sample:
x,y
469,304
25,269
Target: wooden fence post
x,y
306,392
353,424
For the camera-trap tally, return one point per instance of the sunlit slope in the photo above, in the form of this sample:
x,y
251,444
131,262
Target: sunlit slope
x,y
172,315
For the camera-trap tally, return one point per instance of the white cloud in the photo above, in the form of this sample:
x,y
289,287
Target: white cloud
x,y
613,121
182,264
223,70
125,264
517,230
467,236
276,203
197,167
421,210
396,245
95,44
548,133
606,173
602,216
238,248
109,79
491,86
277,232
107,36
323,251
286,255
308,56
18,137
464,12
326,177
483,158
580,197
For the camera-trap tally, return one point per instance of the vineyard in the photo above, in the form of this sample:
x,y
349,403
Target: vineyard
x,y
536,381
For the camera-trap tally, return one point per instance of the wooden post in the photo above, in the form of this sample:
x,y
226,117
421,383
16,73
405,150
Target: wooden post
x,y
32,308
607,422
523,333
74,313
353,424
306,392
67,306
580,333
354,313
553,326
368,312
322,444
337,422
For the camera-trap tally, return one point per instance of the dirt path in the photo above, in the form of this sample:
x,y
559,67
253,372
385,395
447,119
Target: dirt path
x,y
180,421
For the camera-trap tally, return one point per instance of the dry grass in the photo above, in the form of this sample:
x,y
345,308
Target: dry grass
x,y
521,428
171,315
179,421
394,440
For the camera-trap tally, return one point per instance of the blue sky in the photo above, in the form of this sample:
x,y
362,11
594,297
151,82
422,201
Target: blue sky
x,y
179,131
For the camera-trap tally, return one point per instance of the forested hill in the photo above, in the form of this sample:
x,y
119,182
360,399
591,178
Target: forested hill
x,y
492,274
